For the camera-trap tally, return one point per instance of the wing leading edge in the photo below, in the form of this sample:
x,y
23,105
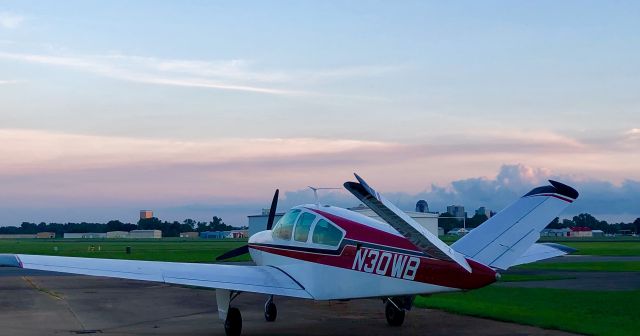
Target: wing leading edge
x,y
256,279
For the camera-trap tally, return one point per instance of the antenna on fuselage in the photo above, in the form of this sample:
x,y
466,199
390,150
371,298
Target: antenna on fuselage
x,y
315,192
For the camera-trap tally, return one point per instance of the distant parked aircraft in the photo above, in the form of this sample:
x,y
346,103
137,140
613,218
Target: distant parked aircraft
x,y
323,252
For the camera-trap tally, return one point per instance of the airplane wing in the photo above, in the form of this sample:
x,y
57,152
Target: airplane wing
x,y
256,279
407,226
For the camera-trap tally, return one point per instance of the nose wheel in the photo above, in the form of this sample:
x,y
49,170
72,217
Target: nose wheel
x,y
270,310
394,315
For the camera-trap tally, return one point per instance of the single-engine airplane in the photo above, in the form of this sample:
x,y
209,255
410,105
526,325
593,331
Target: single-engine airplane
x,y
323,252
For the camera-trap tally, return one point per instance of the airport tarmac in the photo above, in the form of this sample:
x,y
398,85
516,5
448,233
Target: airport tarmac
x,y
580,280
43,303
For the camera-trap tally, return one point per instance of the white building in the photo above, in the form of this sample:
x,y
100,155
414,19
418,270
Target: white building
x,y
428,220
145,234
85,235
117,234
17,236
555,232
258,223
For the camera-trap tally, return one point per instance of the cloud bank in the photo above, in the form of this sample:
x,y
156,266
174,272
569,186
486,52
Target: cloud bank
x,y
601,198
187,178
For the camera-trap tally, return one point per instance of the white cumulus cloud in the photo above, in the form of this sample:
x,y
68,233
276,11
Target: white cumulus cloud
x,y
10,21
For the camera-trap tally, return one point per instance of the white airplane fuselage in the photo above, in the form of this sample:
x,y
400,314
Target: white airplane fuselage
x,y
371,259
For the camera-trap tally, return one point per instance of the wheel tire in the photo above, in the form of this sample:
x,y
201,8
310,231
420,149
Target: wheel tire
x,y
233,323
270,311
395,316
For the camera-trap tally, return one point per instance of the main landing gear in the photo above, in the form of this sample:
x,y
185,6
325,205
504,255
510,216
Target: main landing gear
x,y
270,310
233,322
231,315
394,315
395,309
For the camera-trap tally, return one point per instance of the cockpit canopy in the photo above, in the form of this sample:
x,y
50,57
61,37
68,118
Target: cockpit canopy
x,y
296,224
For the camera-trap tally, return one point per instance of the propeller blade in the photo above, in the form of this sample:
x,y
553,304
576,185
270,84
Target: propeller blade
x,y
245,248
272,210
234,253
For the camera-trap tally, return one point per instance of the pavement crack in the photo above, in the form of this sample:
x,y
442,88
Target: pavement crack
x,y
55,296
42,289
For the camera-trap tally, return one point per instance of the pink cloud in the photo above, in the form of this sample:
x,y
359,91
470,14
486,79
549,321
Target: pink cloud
x,y
59,169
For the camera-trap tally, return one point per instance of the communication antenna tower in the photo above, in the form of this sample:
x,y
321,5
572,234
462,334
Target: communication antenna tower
x,y
315,192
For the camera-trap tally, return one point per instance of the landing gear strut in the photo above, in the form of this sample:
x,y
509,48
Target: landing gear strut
x,y
233,322
231,315
270,310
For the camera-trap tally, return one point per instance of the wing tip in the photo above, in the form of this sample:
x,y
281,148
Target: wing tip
x,y
564,248
555,188
564,189
10,260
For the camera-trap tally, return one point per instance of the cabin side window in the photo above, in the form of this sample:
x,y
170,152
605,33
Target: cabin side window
x,y
283,228
326,233
303,226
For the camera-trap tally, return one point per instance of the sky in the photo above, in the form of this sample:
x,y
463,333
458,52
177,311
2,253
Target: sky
x,y
201,108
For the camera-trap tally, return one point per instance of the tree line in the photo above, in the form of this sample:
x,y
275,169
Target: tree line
x,y
169,229
582,220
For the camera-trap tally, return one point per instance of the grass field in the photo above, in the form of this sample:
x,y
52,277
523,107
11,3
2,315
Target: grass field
x,y
605,248
159,250
588,312
609,266
532,277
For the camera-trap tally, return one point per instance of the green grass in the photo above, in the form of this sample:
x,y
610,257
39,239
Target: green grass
x,y
605,266
152,249
588,312
609,248
531,277
449,239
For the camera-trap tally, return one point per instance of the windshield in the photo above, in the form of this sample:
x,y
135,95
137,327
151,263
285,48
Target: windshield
x,y
283,228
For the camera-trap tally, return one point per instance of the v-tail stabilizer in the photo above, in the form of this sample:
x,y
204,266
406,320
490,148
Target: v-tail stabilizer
x,y
509,237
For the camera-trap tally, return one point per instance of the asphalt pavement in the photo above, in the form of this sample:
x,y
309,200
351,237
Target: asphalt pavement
x,y
43,303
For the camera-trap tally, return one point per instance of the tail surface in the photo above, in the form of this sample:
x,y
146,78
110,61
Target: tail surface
x,y
503,239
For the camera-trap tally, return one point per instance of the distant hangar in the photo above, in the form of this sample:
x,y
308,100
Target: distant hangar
x,y
133,234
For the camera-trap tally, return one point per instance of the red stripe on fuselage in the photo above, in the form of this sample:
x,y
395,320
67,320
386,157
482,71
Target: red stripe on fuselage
x,y
427,270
